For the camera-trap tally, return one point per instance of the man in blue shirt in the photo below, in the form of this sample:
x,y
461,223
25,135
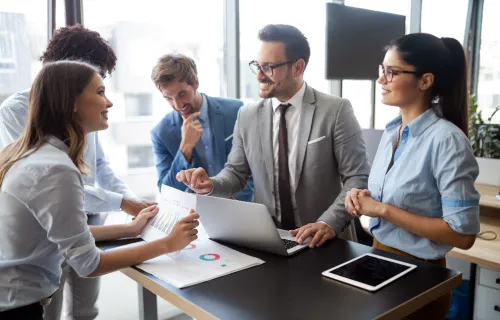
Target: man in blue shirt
x,y
198,133
103,190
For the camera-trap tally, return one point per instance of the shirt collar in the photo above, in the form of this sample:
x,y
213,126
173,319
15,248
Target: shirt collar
x,y
203,109
57,143
417,126
295,101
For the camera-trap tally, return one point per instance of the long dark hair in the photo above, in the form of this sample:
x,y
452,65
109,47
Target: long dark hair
x,y
445,59
51,112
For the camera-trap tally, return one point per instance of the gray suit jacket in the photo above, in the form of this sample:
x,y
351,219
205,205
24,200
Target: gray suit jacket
x,y
331,164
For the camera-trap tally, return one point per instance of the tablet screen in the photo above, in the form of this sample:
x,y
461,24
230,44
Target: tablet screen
x,y
370,270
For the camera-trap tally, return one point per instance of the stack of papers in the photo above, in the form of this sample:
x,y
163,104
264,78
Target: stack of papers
x,y
202,260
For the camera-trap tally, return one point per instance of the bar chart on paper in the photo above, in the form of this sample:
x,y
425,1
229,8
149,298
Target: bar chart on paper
x,y
174,205
164,222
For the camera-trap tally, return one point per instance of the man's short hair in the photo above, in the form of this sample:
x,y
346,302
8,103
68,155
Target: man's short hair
x,y
296,44
174,66
78,43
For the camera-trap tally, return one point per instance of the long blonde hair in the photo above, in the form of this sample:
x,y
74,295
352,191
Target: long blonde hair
x,y
51,112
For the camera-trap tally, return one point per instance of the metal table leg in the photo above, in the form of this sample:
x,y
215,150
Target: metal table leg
x,y
472,289
148,309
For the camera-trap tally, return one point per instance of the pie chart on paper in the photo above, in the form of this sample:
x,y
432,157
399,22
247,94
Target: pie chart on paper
x,y
210,257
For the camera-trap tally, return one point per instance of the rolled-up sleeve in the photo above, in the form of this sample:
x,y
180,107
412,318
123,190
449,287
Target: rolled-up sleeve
x,y
57,201
455,170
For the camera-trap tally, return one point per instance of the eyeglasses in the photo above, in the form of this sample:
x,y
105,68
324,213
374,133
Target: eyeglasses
x,y
389,73
268,68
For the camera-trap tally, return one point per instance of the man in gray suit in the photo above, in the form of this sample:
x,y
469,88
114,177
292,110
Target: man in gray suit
x,y
304,148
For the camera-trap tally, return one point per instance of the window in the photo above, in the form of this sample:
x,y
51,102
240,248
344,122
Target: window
x,y
60,13
138,104
7,57
437,19
139,35
254,15
23,38
361,103
496,99
139,157
6,46
489,62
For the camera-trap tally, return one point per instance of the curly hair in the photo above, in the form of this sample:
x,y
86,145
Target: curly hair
x,y
78,43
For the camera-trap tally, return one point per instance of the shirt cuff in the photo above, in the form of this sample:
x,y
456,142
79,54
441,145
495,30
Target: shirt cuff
x,y
213,187
114,201
187,164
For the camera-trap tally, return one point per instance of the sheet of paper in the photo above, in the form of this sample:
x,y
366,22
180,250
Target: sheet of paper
x,y
174,205
201,261
117,217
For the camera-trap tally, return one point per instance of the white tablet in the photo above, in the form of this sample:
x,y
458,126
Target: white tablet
x,y
369,271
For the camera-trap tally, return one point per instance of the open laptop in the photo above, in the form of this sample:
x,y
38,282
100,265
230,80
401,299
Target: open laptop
x,y
245,224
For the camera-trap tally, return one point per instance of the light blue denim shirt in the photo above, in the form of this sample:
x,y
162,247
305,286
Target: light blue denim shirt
x,y
432,176
42,223
103,190
204,149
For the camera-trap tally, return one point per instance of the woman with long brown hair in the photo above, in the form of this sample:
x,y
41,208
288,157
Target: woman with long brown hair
x,y
42,218
421,196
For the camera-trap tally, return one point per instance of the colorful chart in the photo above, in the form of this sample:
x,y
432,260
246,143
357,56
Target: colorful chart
x,y
210,257
190,246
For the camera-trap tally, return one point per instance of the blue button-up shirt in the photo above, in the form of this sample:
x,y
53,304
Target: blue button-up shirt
x,y
103,190
204,149
433,176
42,223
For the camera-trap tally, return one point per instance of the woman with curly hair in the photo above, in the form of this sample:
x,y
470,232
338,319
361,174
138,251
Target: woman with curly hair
x,y
103,190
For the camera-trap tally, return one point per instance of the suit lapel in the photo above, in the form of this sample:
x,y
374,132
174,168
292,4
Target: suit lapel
x,y
266,129
176,136
217,125
305,125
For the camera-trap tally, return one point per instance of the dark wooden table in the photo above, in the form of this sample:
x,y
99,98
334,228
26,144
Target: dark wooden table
x,y
293,288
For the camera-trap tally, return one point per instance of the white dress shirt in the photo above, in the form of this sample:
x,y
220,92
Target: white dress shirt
x,y
42,223
292,118
103,190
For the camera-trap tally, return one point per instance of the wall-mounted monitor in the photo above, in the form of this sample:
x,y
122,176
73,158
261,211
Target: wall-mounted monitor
x,y
355,39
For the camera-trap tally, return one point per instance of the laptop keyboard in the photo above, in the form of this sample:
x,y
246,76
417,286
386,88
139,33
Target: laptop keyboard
x,y
289,244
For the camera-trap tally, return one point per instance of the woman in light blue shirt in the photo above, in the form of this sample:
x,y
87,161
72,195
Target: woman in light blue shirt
x,y
421,196
42,218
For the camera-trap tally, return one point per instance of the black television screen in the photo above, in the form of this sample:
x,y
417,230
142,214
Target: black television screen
x,y
355,39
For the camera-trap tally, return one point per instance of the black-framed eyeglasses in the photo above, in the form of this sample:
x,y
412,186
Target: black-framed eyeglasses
x,y
268,69
389,73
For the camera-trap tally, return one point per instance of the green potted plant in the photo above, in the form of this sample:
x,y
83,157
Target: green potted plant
x,y
485,140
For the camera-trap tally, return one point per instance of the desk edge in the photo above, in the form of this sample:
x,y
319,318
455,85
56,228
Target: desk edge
x,y
185,305
473,259
422,299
